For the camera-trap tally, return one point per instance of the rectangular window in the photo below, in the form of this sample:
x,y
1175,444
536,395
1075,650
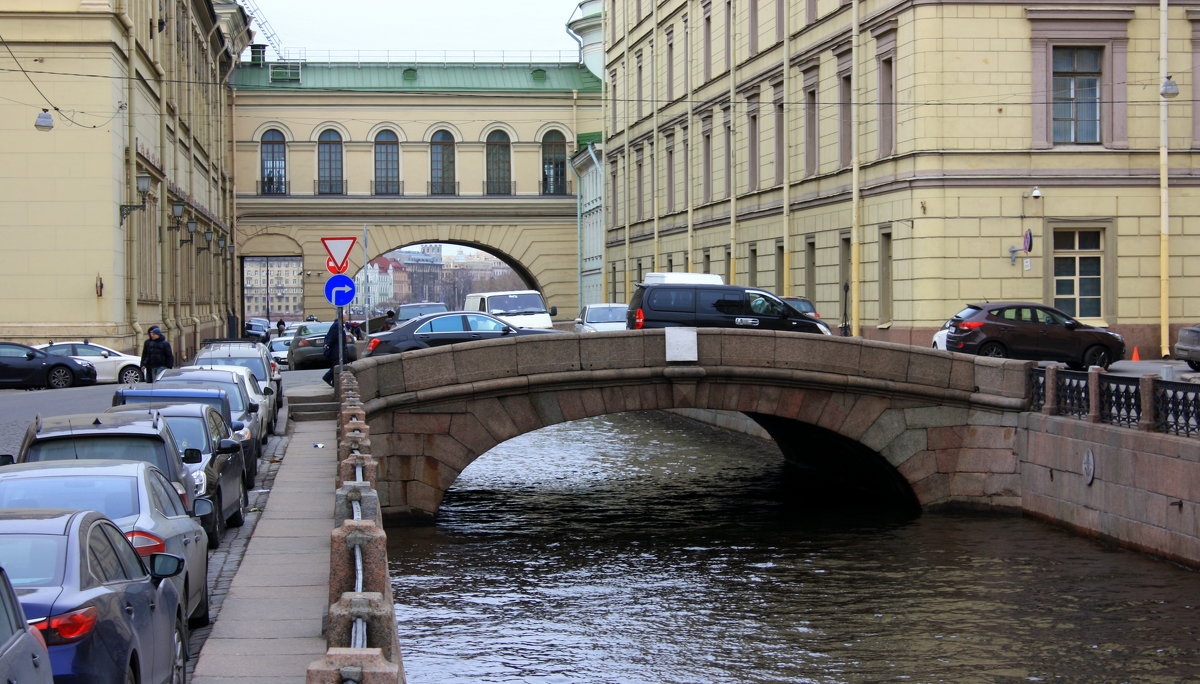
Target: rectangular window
x,y
670,66
639,182
707,262
781,6
707,52
612,96
810,131
887,108
885,276
728,157
780,139
1079,271
752,267
845,120
810,268
844,277
614,205
669,200
706,154
1077,94
752,26
640,90
730,270
780,270
752,144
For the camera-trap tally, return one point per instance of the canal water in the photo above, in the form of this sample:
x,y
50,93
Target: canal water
x,y
639,548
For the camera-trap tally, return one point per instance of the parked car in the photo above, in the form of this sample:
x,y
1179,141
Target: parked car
x,y
802,304
244,410
1187,346
1028,330
701,305
600,317
278,348
308,346
219,476
22,366
257,332
199,393
23,654
256,357
263,395
136,497
105,613
939,337
518,308
111,365
452,327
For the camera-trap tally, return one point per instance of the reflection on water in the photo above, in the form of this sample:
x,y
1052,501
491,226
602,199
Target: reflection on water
x,y
632,548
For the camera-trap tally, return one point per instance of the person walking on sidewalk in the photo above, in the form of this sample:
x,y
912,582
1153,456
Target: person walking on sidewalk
x,y
331,349
156,354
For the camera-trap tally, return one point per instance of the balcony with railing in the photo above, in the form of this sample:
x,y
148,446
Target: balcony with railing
x,y
556,186
273,186
441,187
499,187
387,187
329,187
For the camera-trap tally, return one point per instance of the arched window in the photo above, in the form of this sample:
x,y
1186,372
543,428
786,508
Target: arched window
x,y
554,164
499,164
329,164
441,164
387,163
274,164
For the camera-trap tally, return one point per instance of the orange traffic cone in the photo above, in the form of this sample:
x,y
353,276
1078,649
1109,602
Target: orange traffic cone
x,y
1135,355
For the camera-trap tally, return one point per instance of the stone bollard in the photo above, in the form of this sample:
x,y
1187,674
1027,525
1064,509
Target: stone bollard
x,y
355,427
376,610
349,492
370,467
360,665
373,541
1094,394
347,447
1148,420
1050,406
349,413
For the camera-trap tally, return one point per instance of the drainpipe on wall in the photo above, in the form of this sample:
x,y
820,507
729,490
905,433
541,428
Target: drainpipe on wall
x,y
855,180
165,270
691,139
1164,195
579,232
732,177
785,279
131,274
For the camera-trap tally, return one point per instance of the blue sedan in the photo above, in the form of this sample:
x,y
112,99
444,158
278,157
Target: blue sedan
x,y
105,617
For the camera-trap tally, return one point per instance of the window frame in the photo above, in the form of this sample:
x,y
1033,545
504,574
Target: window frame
x,y
498,164
277,161
554,163
1108,265
441,163
331,163
386,153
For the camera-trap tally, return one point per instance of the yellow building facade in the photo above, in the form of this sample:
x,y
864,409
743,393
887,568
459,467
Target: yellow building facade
x,y
893,161
132,150
397,154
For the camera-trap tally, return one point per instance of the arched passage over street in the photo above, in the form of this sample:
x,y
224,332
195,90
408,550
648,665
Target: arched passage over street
x,y
945,424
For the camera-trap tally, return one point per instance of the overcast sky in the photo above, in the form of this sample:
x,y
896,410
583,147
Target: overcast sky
x,y
457,25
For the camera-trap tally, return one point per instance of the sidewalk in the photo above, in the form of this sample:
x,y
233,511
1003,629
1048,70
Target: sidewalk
x,y
269,626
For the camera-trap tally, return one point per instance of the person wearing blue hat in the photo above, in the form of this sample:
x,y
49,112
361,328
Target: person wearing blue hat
x,y
156,354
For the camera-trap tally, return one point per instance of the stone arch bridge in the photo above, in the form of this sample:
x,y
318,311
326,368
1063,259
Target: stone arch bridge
x,y
899,424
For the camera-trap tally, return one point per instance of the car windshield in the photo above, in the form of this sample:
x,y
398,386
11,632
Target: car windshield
x,y
33,560
605,314
530,302
128,447
313,329
281,344
254,363
231,390
113,495
801,305
967,313
407,311
214,402
188,432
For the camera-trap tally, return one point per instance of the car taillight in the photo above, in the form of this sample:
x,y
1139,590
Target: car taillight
x,y
302,343
145,543
182,492
372,344
639,319
274,367
970,325
68,627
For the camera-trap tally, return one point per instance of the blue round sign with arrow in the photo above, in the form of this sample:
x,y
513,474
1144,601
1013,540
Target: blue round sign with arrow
x,y
339,290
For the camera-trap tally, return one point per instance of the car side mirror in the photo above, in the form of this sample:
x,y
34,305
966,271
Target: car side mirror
x,y
554,311
192,455
7,459
237,426
253,407
228,446
1072,324
104,354
164,565
30,354
578,321
267,391
202,508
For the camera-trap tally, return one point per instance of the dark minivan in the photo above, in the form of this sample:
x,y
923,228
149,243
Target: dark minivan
x,y
715,306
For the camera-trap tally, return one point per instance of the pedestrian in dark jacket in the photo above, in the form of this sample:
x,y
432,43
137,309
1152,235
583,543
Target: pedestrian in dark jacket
x,y
156,354
281,326
331,350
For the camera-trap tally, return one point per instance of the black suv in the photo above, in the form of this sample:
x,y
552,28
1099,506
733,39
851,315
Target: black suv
x,y
125,436
669,305
1027,330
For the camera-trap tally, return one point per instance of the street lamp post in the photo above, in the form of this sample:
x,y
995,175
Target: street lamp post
x,y
1167,91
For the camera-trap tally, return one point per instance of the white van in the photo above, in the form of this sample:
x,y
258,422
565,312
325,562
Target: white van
x,y
682,278
518,308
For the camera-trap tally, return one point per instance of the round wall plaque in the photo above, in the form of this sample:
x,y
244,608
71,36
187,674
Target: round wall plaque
x,y
1089,467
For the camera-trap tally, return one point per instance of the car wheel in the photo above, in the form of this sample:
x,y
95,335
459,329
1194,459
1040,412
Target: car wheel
x,y
993,349
199,617
179,654
1097,355
130,375
1194,365
60,377
239,516
218,525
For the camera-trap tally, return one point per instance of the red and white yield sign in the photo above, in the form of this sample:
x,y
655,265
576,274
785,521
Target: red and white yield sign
x,y
339,252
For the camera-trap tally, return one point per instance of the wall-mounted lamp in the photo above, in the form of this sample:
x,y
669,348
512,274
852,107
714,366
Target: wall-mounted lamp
x,y
220,243
191,229
308,274
230,248
1168,90
177,212
207,241
44,121
1036,192
143,187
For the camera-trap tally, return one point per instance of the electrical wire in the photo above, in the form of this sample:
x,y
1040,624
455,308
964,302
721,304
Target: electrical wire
x,y
44,96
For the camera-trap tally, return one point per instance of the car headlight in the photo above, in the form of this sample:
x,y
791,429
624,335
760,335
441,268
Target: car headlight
x,y
824,327
201,482
243,435
85,364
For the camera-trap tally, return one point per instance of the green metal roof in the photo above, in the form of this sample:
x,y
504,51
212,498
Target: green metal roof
x,y
584,138
415,77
